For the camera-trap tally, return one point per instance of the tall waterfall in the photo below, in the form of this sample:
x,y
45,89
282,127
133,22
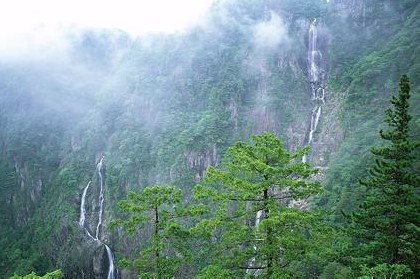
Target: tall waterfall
x,y
82,206
112,271
316,70
316,79
101,196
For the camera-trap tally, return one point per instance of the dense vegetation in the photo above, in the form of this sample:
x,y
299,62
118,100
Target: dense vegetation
x,y
386,224
165,109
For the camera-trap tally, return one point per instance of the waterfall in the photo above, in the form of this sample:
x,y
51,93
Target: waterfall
x,y
316,113
112,271
316,79
258,218
313,52
316,71
101,196
82,206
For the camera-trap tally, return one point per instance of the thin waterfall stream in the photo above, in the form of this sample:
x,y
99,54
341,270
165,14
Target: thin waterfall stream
x,y
258,219
82,206
112,271
316,79
101,196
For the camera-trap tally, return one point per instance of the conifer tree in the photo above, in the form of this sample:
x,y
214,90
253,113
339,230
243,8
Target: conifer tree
x,y
158,210
256,181
386,225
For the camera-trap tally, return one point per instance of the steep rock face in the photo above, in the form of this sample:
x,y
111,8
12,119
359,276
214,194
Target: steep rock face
x,y
199,161
100,263
354,8
352,23
30,188
263,118
329,134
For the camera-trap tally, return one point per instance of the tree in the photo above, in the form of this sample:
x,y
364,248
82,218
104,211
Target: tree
x,y
387,223
50,275
253,228
158,208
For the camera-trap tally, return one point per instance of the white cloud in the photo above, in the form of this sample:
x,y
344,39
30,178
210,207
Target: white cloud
x,y
270,34
29,26
133,16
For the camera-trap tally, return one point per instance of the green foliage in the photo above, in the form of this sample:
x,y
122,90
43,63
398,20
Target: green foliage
x,y
386,271
50,275
370,50
180,97
386,225
336,270
159,209
304,9
258,178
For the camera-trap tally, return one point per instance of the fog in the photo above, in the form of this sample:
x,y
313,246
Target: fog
x,y
31,27
270,34
135,17
76,54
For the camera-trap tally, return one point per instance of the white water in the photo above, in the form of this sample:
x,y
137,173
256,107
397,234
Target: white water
x,y
316,79
101,196
316,71
82,206
313,52
316,113
258,218
111,270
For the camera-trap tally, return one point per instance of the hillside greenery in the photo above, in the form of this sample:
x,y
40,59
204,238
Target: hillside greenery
x,y
385,226
168,109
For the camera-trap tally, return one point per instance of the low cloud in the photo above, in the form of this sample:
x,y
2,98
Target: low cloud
x,y
271,34
37,44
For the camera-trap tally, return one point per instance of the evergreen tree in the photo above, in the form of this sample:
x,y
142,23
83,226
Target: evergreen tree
x,y
253,228
158,210
57,274
387,223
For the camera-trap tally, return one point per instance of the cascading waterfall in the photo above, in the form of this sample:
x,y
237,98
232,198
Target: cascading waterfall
x,y
312,54
316,71
316,113
111,269
101,196
258,219
316,79
82,206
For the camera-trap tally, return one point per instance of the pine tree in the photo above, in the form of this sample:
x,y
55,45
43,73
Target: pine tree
x,y
386,226
256,181
158,211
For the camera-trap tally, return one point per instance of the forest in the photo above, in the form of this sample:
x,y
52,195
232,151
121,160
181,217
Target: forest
x,y
274,139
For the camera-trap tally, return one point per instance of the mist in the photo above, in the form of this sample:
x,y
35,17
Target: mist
x,y
271,34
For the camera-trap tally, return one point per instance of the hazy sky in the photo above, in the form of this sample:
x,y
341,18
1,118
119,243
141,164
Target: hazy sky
x,y
134,16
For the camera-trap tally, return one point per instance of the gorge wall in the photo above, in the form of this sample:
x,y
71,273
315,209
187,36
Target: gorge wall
x,y
163,108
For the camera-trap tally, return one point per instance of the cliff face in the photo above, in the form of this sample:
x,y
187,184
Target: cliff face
x,y
370,49
162,109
